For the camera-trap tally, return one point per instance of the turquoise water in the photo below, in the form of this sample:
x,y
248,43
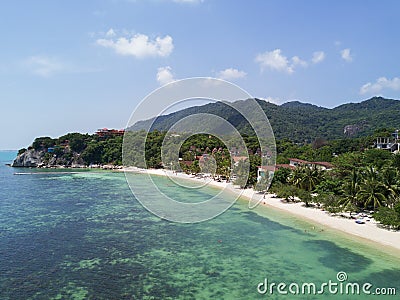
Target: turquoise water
x,y
84,236
7,156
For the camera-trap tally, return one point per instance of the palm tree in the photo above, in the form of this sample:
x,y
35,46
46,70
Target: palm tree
x,y
371,189
350,190
311,177
390,180
296,176
306,178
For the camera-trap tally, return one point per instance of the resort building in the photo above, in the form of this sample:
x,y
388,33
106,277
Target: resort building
x,y
265,172
262,171
391,144
237,159
105,132
323,165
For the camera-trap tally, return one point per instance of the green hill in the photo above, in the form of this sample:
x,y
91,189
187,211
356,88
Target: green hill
x,y
300,121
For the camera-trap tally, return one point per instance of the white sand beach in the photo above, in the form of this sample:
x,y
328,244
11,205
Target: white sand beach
x,y
368,231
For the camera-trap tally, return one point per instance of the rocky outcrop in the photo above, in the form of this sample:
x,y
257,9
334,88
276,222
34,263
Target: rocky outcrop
x,y
353,129
30,158
42,159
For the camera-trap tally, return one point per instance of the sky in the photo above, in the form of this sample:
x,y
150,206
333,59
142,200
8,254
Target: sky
x,y
76,66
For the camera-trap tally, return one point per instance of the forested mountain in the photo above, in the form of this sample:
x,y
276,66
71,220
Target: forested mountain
x,y
301,121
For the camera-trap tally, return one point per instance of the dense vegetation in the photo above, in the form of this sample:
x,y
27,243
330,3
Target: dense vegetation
x,y
306,123
77,148
198,153
363,178
360,181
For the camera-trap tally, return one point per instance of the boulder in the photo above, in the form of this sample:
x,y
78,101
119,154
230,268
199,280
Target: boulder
x,y
29,158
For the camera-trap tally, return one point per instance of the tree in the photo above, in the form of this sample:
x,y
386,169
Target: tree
x,y
223,163
395,161
43,143
390,181
371,189
76,141
189,156
346,162
318,143
287,192
208,164
329,184
388,217
376,157
93,153
305,196
22,150
296,176
311,177
329,201
153,144
281,176
194,167
305,177
350,190
255,162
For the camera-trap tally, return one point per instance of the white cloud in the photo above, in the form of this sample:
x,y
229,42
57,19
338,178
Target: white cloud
x,y
274,60
380,84
346,55
230,73
318,56
45,66
110,33
210,82
297,61
164,75
270,99
139,45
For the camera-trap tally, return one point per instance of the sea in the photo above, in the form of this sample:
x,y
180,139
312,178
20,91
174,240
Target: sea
x,y
83,235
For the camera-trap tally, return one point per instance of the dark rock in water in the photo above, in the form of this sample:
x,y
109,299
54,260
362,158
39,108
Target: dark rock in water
x,y
30,158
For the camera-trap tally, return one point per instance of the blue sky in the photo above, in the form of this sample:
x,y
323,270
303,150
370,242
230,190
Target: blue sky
x,y
81,65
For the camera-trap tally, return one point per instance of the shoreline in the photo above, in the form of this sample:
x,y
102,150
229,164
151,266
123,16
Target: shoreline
x,y
368,232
